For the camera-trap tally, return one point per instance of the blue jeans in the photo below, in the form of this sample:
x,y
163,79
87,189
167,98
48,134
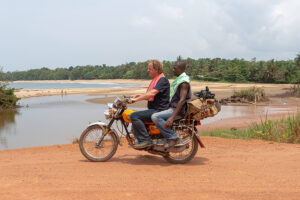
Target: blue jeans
x,y
159,119
138,126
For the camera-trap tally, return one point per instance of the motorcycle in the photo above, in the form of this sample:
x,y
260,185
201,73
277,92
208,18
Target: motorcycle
x,y
99,141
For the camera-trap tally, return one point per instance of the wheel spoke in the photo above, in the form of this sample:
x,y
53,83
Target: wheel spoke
x,y
188,153
94,152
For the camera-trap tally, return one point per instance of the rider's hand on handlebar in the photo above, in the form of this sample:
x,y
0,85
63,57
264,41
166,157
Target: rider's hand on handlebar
x,y
131,101
135,96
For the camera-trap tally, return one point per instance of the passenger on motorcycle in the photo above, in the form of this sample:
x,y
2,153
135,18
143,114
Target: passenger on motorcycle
x,y
180,93
158,100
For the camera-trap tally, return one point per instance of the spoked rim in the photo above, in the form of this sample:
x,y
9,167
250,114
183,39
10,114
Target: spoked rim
x,y
190,146
92,147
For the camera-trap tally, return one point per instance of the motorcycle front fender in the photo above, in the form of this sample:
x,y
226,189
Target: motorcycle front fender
x,y
99,123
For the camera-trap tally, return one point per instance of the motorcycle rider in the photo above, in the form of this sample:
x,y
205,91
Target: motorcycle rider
x,y
180,93
158,100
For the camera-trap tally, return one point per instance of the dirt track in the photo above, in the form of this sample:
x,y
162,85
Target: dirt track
x,y
225,169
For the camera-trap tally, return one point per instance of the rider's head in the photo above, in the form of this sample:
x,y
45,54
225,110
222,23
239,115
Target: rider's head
x,y
154,68
179,68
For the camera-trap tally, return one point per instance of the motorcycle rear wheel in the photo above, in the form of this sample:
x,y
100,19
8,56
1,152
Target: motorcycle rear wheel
x,y
184,156
94,152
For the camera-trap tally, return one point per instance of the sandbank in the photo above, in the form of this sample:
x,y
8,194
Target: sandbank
x,y
222,90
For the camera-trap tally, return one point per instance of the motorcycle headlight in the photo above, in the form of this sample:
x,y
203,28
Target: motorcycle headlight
x,y
106,114
111,108
110,112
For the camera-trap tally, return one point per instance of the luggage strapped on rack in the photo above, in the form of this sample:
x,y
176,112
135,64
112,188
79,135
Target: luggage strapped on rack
x,y
204,106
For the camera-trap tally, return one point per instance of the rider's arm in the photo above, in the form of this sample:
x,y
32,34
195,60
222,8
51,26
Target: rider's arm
x,y
145,96
183,93
135,96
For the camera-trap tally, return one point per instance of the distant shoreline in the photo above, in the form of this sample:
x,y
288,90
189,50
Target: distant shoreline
x,y
91,81
222,90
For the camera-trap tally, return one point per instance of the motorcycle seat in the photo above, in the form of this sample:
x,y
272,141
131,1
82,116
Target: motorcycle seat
x,y
177,118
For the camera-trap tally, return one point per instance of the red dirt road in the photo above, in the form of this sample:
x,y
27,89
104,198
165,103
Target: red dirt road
x,y
225,169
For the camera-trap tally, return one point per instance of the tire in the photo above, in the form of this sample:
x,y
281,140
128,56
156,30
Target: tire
x,y
178,158
101,153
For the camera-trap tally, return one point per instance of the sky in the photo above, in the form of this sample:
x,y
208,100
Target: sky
x,y
64,33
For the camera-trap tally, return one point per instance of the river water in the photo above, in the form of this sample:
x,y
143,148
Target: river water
x,y
63,85
52,120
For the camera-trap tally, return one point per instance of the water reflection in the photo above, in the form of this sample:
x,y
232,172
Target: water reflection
x,y
48,121
7,121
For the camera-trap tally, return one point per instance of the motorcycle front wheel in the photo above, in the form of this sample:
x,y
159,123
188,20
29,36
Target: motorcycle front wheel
x,y
94,149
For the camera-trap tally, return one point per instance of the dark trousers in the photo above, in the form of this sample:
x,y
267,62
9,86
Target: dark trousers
x,y
138,126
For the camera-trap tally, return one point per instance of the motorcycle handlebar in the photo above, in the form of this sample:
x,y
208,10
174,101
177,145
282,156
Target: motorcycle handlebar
x,y
126,99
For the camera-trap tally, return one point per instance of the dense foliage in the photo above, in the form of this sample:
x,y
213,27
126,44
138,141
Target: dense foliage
x,y
205,69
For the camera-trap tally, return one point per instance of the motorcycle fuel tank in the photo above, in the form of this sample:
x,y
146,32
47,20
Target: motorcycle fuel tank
x,y
126,115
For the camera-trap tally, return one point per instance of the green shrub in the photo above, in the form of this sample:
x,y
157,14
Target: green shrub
x,y
8,99
251,94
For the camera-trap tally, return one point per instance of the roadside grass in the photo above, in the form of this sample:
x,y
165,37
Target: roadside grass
x,y
230,134
284,130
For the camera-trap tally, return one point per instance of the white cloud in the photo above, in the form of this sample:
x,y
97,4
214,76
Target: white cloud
x,y
170,12
142,21
285,14
201,43
138,30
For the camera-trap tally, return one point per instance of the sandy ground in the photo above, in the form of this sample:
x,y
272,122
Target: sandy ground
x,y
225,169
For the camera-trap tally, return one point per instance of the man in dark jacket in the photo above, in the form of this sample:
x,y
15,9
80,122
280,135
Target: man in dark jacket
x,y
157,96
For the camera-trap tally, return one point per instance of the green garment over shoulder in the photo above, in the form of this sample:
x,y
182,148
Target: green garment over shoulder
x,y
180,79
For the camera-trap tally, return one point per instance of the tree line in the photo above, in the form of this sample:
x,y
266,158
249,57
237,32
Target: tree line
x,y
204,69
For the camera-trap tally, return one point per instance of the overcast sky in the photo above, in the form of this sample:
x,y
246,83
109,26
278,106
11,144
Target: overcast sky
x,y
63,33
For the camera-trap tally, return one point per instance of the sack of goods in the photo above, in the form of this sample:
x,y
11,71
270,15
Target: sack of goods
x,y
205,106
